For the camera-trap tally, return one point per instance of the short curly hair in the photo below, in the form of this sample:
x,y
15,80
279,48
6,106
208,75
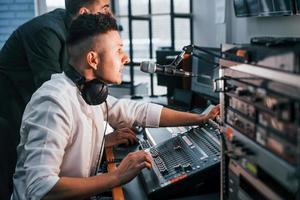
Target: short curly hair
x,y
88,25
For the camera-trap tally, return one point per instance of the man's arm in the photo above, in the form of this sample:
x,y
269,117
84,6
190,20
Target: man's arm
x,y
127,113
47,130
168,117
120,136
81,188
171,117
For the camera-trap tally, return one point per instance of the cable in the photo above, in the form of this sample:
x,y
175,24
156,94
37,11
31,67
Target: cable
x,y
99,158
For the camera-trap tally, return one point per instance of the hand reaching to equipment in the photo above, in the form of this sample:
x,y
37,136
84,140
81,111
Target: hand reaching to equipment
x,y
213,113
120,136
131,166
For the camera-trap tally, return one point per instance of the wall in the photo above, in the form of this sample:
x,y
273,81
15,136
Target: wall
x,y
242,29
238,30
206,32
13,13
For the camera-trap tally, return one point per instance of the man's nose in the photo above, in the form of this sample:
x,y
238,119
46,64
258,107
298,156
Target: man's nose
x,y
126,59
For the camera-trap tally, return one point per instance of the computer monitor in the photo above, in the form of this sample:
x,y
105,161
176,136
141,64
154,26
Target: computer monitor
x,y
261,8
273,8
246,8
206,67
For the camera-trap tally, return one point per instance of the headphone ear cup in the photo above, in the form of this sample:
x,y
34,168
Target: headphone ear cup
x,y
94,92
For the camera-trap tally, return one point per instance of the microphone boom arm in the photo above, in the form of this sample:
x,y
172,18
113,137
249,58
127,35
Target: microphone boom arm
x,y
172,69
190,50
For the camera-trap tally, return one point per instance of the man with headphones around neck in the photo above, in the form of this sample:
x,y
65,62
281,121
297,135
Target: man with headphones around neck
x,y
33,52
62,131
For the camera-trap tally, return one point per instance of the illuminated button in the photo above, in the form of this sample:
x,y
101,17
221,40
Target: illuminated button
x,y
242,53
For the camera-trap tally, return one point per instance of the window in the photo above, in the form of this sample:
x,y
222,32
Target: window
x,y
43,6
149,25
52,4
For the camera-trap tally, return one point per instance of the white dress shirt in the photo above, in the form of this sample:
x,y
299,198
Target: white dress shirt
x,y
61,135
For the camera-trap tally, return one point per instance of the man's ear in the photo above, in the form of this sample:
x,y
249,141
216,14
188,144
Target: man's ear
x,y
83,10
93,59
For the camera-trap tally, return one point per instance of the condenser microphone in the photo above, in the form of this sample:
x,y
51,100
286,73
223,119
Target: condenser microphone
x,y
170,70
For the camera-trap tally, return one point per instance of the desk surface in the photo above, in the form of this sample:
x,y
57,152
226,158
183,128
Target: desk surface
x,y
134,190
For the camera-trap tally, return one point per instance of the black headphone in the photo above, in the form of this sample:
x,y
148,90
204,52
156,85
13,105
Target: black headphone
x,y
93,92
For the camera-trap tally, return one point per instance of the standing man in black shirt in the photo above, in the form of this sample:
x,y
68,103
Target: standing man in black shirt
x,y
31,54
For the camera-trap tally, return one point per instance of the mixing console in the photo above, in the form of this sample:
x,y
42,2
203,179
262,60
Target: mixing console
x,y
186,161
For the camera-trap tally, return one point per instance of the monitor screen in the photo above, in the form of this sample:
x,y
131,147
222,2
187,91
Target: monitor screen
x,y
206,67
250,8
246,8
275,7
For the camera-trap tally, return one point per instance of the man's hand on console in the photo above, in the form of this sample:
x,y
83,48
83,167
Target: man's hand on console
x,y
120,136
131,166
213,113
